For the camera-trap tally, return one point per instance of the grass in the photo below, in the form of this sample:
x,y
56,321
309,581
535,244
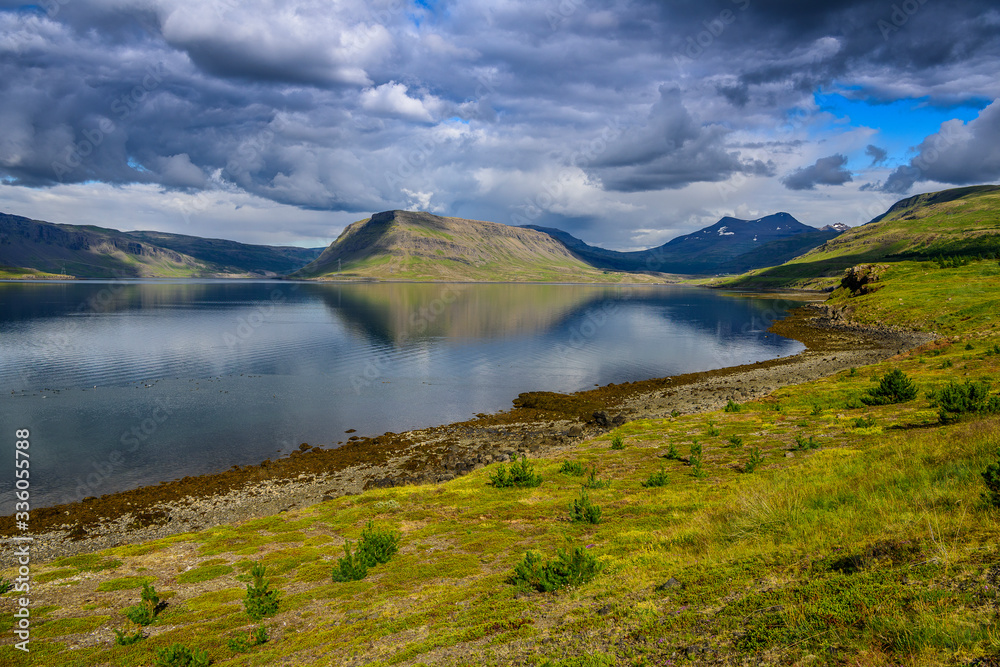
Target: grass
x,y
879,548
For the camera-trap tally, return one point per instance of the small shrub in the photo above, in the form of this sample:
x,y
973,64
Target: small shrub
x,y
955,400
893,387
521,475
736,441
260,600
178,655
146,612
125,639
947,363
853,403
584,510
350,567
968,346
255,637
852,372
695,451
756,458
672,453
712,431
656,479
863,422
732,406
992,478
617,442
565,570
572,468
816,410
675,413
377,546
387,505
802,444
594,483
6,585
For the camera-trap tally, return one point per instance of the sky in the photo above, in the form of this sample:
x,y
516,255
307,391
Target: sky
x,y
623,122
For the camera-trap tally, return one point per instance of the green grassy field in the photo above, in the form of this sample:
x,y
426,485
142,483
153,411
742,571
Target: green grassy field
x,y
861,539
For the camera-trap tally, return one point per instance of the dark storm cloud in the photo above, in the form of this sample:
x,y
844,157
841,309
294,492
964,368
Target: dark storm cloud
x,y
825,171
959,154
350,106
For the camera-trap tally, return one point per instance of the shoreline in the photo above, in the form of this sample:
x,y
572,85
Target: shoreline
x,y
539,424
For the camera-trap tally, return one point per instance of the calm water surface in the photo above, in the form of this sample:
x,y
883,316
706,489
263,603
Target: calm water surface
x,y
130,383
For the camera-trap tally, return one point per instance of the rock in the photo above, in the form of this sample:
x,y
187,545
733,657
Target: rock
x,y
789,455
602,419
861,279
618,420
669,584
575,431
605,610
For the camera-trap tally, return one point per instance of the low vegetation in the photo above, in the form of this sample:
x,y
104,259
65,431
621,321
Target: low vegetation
x,y
261,600
520,474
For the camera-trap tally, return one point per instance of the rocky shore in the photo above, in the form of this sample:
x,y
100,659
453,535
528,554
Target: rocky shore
x,y
540,423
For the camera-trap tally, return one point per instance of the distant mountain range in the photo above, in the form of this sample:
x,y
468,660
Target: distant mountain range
x,y
402,245
731,245
31,246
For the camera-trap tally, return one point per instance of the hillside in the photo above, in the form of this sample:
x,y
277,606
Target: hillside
x,y
30,246
731,245
955,222
406,245
233,256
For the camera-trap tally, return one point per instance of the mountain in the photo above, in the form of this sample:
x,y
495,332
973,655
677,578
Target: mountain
x,y
235,257
96,252
731,245
407,245
955,222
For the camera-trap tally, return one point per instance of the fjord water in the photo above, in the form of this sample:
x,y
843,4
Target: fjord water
x,y
124,384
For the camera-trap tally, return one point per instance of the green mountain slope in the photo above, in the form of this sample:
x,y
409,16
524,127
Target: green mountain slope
x,y
235,257
956,222
97,252
406,245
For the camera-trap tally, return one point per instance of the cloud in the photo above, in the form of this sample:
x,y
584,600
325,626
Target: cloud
x,y
958,154
391,99
825,171
670,150
878,155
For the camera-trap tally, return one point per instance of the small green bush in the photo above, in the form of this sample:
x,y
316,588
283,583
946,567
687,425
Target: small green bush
x,y
6,585
572,468
565,570
802,444
178,655
956,400
675,413
968,346
582,510
146,612
255,637
893,387
756,458
712,431
672,453
594,483
521,475
732,406
816,410
735,441
377,546
992,478
617,442
261,600
863,422
695,460
351,566
658,478
125,639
